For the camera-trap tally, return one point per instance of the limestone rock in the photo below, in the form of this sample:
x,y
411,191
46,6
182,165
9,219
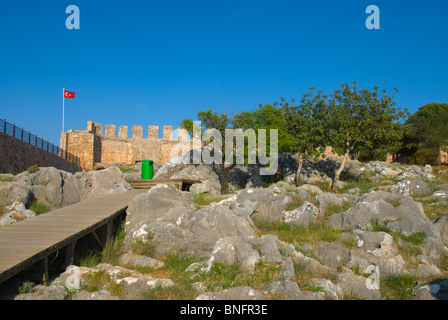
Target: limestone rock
x,y
269,205
441,224
14,191
381,207
235,293
410,187
15,212
102,182
41,292
327,199
97,295
302,216
135,260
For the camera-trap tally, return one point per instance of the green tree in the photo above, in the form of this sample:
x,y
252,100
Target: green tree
x,y
362,118
220,122
266,117
429,127
306,123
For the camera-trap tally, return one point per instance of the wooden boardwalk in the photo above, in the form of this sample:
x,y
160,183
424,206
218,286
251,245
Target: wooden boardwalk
x,y
182,184
30,241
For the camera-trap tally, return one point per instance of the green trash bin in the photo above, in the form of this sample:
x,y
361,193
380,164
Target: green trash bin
x,y
147,169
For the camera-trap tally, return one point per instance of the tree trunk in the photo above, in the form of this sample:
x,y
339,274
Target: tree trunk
x,y
338,172
224,179
439,157
299,169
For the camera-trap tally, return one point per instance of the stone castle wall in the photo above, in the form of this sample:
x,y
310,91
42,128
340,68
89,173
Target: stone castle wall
x,y
96,145
17,156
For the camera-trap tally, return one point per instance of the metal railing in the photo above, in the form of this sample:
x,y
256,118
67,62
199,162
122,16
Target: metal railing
x,y
25,136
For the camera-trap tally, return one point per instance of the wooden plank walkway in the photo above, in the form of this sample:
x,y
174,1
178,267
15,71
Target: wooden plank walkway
x,y
29,241
182,184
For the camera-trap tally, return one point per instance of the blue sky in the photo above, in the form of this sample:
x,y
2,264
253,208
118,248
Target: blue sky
x,y
157,62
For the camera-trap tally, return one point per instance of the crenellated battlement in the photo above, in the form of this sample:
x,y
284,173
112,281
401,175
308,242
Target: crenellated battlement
x,y
96,145
110,131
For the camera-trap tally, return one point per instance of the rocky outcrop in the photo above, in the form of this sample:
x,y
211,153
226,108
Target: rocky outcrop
x,y
15,212
396,212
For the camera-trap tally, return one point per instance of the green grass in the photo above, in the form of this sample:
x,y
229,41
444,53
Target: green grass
x,y
365,185
33,169
144,248
98,280
110,253
314,232
416,238
38,208
127,170
394,202
202,200
295,203
335,208
397,287
220,277
6,179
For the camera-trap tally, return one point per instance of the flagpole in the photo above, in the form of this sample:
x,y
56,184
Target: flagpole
x,y
63,101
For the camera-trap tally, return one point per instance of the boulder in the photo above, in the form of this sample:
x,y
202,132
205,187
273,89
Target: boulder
x,y
410,187
311,189
15,212
102,182
41,292
232,250
134,260
302,216
235,293
97,295
168,216
52,187
14,191
441,223
269,206
210,181
397,212
437,290
326,199
357,286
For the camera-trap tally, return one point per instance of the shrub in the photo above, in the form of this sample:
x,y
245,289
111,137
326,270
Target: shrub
x,y
33,169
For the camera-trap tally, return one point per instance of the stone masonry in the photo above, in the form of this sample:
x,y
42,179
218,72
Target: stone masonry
x,y
93,147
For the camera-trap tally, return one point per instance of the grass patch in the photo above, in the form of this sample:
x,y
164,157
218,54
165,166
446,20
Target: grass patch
x,y
443,263
38,208
33,169
26,287
416,238
397,287
295,203
142,247
110,253
394,202
314,232
127,170
99,280
221,276
201,200
6,179
365,185
226,276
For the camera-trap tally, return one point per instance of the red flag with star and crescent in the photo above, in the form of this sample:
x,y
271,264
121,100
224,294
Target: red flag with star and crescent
x,y
68,94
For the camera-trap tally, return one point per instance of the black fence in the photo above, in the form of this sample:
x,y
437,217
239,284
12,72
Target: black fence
x,y
18,133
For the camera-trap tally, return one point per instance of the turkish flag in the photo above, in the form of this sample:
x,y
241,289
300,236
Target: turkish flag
x,y
68,94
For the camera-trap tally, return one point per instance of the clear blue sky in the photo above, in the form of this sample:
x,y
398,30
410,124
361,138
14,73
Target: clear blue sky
x,y
156,62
